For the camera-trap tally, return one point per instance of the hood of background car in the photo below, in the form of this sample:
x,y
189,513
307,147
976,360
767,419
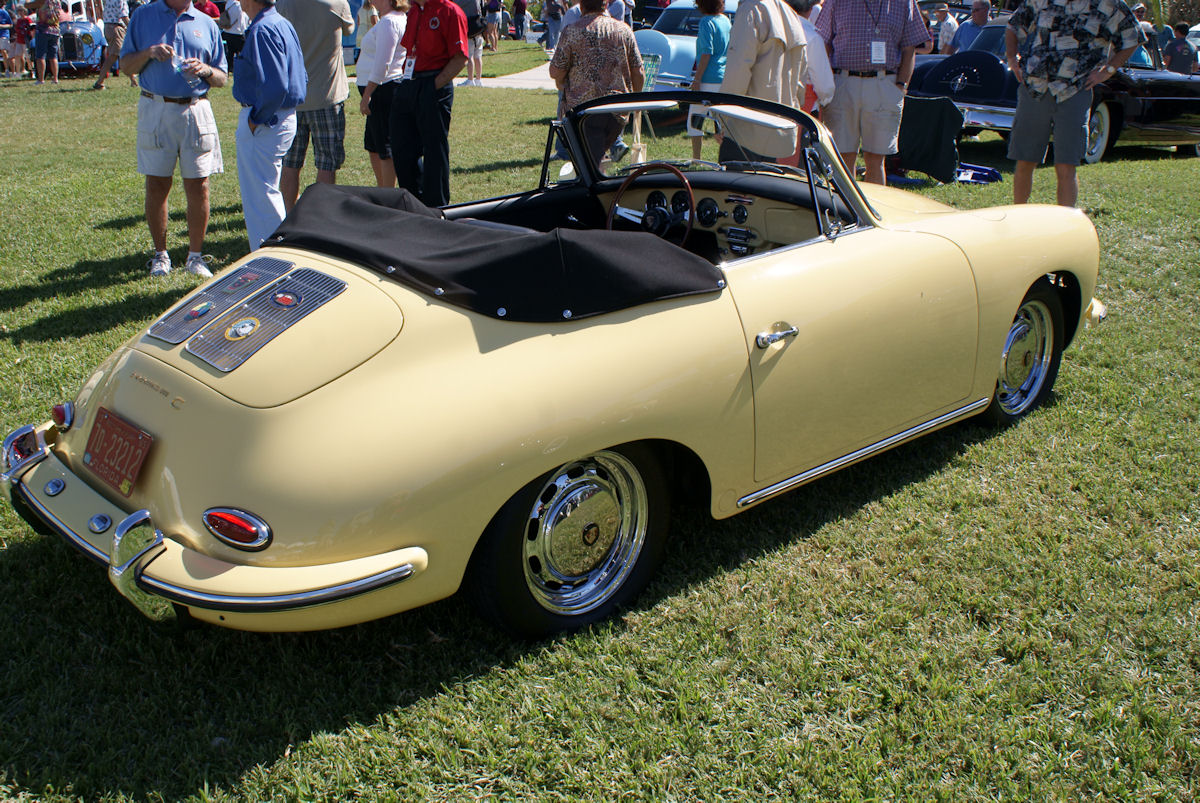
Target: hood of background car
x,y
678,54
275,327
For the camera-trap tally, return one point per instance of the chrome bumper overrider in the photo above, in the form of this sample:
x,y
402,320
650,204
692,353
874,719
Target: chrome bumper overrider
x,y
136,543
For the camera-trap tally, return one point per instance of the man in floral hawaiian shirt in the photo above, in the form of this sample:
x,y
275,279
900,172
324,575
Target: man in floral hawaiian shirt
x,y
1058,50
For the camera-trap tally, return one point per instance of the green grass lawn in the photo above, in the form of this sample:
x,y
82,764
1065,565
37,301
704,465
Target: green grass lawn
x,y
978,615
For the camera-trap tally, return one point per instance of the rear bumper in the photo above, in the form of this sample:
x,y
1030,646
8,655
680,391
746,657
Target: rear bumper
x,y
155,571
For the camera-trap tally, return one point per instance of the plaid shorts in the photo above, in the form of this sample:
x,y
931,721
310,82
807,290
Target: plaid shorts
x,y
328,130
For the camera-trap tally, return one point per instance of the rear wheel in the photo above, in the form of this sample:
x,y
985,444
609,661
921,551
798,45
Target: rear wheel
x,y
1030,357
573,545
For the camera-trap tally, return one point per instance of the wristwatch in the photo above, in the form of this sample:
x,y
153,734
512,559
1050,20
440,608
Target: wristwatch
x,y
1108,68
902,84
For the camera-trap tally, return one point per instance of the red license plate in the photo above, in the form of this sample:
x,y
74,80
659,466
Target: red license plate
x,y
116,450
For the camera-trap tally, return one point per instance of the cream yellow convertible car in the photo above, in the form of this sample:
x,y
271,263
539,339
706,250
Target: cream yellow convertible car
x,y
388,403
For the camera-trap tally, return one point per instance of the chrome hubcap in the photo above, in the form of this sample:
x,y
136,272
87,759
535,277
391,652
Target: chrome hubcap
x,y
584,533
1028,350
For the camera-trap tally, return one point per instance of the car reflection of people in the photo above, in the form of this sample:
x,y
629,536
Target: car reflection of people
x,y
595,57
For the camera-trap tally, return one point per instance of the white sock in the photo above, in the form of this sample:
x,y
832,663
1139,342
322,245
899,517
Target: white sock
x,y
191,254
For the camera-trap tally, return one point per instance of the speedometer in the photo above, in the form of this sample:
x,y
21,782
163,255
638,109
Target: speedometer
x,y
656,200
680,202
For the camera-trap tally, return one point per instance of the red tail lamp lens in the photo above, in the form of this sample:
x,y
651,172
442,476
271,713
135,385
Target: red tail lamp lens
x,y
63,416
238,528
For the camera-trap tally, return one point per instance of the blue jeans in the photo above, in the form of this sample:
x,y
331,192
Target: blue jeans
x,y
260,162
553,27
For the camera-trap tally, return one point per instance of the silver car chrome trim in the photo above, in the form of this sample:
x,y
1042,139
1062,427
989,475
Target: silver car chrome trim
x,y
15,467
990,117
274,602
866,451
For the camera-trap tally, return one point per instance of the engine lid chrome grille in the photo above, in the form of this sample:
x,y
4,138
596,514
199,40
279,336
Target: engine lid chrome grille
x,y
201,309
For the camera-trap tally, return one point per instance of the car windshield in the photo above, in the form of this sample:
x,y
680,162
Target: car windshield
x,y
681,21
990,39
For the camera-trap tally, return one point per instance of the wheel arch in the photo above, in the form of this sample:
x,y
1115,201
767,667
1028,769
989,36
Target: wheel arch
x,y
1066,285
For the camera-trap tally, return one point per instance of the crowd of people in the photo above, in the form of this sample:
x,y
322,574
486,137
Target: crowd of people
x,y
850,61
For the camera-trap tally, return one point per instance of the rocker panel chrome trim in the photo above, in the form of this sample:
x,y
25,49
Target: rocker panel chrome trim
x,y
866,451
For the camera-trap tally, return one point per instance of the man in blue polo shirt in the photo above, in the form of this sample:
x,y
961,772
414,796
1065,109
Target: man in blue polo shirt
x,y
270,81
177,52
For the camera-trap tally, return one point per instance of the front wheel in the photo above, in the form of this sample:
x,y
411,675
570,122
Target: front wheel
x,y
1099,134
573,545
1030,357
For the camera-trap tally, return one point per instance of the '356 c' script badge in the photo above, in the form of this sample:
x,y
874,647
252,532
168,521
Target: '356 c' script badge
x,y
242,329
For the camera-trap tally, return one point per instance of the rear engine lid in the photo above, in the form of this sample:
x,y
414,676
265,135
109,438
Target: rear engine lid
x,y
276,328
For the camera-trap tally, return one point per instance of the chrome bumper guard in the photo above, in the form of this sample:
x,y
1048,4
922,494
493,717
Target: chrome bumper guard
x,y
136,543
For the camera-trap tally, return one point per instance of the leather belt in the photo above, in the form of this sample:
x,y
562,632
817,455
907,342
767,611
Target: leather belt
x,y
864,73
180,101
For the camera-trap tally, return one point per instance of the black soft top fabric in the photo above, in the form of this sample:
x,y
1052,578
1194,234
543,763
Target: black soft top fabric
x,y
537,278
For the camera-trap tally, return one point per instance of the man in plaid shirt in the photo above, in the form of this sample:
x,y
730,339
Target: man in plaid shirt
x,y
1059,51
871,45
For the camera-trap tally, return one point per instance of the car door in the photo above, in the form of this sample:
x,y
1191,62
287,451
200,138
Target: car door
x,y
885,324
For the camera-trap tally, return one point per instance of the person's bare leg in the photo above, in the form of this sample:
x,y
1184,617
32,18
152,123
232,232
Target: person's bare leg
x,y
289,187
157,190
327,176
196,190
875,173
1022,182
1067,184
850,158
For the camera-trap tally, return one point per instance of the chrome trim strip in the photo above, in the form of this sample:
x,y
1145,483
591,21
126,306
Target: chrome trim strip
x,y
273,602
14,468
866,451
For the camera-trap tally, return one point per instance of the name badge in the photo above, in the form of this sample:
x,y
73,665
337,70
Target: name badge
x,y
878,52
409,66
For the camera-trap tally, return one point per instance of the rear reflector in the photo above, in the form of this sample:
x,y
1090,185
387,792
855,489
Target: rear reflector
x,y
238,528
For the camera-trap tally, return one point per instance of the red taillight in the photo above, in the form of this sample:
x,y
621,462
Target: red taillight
x,y
63,416
238,528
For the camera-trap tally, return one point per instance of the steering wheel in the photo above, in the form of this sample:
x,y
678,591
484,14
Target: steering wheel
x,y
655,221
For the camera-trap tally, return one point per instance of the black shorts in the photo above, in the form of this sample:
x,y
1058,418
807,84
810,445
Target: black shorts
x,y
376,138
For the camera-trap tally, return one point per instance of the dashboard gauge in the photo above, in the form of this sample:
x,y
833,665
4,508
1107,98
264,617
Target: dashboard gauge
x,y
740,214
707,212
656,200
679,202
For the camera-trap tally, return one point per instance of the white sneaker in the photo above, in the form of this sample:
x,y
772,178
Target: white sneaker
x,y
159,265
467,82
199,265
479,83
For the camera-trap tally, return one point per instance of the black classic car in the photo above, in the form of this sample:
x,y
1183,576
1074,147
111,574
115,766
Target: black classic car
x,y
1141,104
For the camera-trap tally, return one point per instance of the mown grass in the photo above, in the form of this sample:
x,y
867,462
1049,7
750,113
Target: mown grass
x,y
978,615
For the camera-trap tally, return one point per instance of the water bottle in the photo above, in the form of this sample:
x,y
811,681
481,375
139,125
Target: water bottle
x,y
193,80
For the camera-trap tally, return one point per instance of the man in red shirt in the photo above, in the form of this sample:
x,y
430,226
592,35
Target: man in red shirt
x,y
435,40
207,7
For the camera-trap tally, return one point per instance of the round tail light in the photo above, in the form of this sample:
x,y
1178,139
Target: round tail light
x,y
238,528
63,416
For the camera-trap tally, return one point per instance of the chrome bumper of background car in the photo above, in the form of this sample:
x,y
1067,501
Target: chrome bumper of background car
x,y
993,118
136,543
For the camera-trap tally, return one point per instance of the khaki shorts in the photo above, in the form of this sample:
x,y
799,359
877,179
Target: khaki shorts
x,y
170,132
114,34
476,51
865,111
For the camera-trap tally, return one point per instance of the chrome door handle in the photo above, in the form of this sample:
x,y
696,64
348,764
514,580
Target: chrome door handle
x,y
767,339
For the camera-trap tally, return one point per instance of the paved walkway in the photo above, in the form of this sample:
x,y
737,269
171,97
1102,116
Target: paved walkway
x,y
537,78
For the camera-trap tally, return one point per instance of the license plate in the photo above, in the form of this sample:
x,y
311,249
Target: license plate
x,y
116,450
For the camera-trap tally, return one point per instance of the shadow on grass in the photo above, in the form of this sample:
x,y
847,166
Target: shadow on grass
x,y
511,164
176,215
83,278
97,702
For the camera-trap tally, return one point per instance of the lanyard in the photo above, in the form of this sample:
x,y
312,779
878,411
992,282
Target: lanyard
x,y
879,13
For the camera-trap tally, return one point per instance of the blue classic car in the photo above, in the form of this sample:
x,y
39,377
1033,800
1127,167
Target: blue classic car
x,y
1141,104
81,42
673,40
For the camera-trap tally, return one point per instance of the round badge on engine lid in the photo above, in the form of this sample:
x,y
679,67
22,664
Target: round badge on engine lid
x,y
286,298
241,329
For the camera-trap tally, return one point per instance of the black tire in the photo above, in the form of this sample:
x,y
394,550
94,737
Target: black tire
x,y
574,545
1030,357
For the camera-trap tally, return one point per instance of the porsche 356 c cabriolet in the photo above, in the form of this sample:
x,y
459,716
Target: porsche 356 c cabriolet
x,y
388,403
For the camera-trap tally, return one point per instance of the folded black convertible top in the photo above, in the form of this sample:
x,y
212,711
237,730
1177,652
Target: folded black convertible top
x,y
533,277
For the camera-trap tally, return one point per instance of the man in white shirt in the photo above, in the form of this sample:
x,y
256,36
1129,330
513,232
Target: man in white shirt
x,y
116,19
947,27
